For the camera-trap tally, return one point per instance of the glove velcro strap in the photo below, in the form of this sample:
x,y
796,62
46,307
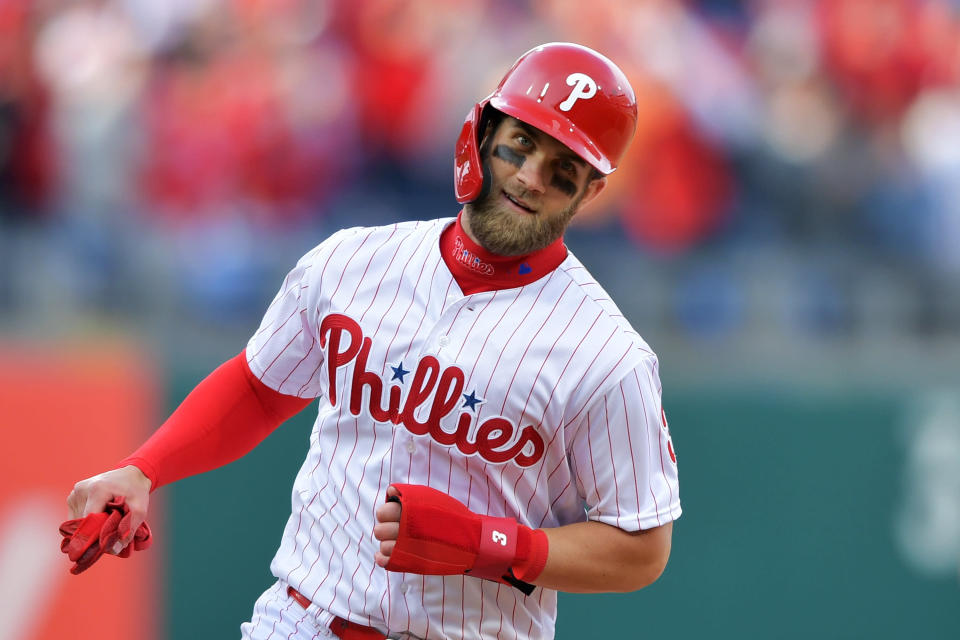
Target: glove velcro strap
x,y
433,540
438,534
498,548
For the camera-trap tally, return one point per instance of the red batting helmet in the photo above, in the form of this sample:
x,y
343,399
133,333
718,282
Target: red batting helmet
x,y
566,90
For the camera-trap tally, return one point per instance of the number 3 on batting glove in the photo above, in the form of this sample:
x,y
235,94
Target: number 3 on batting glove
x,y
440,536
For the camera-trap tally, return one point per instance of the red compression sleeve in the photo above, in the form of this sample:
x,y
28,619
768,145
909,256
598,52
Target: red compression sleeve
x,y
223,418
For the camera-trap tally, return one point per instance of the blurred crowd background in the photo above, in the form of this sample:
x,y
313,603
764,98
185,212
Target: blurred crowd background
x,y
785,233
795,179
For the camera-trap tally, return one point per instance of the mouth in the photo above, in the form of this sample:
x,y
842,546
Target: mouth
x,y
519,204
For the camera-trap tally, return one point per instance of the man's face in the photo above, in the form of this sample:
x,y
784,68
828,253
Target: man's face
x,y
536,186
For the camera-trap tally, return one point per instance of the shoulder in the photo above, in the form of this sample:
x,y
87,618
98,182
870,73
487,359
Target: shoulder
x,y
616,352
609,318
343,246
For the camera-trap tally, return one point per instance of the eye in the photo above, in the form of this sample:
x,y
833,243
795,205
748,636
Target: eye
x,y
568,166
523,140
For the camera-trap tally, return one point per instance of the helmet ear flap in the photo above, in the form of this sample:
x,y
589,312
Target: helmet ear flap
x,y
468,166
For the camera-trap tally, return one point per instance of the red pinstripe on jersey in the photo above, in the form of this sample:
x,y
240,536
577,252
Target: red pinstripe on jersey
x,y
421,383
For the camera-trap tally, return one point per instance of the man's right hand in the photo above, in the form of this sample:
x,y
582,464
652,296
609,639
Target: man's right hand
x,y
93,494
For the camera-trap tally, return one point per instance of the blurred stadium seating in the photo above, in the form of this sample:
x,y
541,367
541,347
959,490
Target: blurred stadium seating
x,y
788,217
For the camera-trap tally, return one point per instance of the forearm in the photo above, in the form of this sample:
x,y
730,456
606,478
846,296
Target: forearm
x,y
593,557
223,418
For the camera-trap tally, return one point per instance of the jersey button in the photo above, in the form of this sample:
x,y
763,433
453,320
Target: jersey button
x,y
410,446
444,341
403,588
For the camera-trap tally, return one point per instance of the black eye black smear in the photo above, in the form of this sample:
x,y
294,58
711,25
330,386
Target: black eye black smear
x,y
507,154
564,185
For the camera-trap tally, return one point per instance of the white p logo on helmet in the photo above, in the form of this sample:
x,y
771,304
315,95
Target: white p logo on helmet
x,y
583,87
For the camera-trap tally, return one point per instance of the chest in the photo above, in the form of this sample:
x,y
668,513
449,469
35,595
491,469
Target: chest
x,y
487,375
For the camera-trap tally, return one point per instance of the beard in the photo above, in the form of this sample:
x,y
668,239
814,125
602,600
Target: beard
x,y
504,232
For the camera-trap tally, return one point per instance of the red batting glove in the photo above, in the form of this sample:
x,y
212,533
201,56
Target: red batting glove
x,y
86,539
82,538
440,536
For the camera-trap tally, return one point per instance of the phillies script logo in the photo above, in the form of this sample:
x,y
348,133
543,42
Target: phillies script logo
x,y
463,255
433,386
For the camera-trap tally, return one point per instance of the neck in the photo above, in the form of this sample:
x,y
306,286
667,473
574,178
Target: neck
x,y
475,269
464,221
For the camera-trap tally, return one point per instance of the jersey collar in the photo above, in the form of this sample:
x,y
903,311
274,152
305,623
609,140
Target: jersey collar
x,y
475,269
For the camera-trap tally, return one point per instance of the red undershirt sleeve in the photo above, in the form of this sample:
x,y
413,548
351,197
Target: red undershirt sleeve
x,y
228,414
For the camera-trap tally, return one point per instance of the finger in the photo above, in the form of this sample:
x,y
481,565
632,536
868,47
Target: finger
x,y
386,531
392,492
77,500
92,506
75,504
382,557
389,512
96,501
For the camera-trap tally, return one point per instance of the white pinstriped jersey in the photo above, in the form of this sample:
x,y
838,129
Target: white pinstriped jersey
x,y
539,403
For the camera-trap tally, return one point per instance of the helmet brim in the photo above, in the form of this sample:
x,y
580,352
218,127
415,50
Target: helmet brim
x,y
562,129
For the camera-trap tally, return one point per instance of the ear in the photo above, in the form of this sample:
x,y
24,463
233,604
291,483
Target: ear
x,y
594,188
487,132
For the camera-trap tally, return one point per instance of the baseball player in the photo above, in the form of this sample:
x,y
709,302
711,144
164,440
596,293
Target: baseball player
x,y
490,427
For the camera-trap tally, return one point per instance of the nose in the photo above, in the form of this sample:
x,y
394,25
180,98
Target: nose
x,y
530,175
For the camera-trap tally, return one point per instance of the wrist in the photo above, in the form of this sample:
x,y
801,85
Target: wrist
x,y
533,547
142,472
